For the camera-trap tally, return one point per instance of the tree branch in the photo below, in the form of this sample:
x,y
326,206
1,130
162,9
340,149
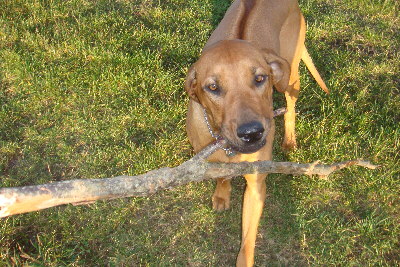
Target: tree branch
x,y
18,200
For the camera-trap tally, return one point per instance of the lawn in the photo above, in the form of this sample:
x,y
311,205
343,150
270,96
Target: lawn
x,y
93,89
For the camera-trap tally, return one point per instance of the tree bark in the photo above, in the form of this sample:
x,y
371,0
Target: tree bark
x,y
18,200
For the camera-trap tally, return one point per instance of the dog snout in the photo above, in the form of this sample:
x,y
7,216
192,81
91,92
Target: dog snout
x,y
250,132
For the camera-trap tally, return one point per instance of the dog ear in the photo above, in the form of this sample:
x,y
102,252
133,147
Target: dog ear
x,y
191,83
280,70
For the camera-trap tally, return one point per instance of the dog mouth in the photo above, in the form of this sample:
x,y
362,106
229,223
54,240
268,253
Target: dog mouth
x,y
247,148
249,137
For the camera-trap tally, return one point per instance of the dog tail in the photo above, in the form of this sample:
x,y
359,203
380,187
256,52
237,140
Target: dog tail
x,y
313,70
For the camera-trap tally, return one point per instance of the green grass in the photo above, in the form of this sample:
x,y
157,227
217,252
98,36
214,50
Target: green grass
x,y
95,89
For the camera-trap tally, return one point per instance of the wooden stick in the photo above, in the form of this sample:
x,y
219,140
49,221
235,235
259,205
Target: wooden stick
x,y
18,200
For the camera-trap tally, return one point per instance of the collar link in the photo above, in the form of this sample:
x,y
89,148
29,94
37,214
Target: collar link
x,y
228,150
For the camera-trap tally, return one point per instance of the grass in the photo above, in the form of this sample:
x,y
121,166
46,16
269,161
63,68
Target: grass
x,y
95,89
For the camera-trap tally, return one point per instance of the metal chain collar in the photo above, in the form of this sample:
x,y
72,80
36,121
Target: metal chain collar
x,y
228,150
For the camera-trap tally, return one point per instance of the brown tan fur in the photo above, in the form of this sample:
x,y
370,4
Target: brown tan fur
x,y
224,81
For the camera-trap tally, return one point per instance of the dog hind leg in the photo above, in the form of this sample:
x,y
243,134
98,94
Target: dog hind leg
x,y
292,38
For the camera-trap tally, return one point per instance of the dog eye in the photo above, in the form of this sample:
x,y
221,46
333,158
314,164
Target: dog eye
x,y
212,87
259,79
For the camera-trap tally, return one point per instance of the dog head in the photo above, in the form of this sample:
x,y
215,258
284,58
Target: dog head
x,y
233,80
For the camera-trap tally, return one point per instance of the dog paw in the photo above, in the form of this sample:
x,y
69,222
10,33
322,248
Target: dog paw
x,y
220,203
289,145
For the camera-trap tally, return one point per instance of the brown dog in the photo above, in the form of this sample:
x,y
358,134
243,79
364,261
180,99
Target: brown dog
x,y
257,46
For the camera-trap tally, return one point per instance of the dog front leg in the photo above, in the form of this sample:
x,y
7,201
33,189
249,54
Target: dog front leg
x,y
253,204
222,195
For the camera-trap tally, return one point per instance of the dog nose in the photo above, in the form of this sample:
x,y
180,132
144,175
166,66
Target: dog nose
x,y
250,132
